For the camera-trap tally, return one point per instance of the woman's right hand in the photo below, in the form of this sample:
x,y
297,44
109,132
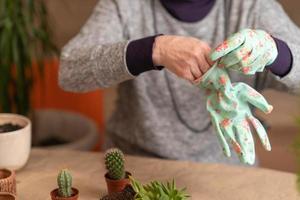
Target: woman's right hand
x,y
187,57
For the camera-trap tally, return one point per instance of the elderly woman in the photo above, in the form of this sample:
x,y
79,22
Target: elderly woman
x,y
151,48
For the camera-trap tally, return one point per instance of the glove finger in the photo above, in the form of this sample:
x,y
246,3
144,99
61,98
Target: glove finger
x,y
240,55
258,65
244,137
227,46
221,138
253,97
261,132
226,127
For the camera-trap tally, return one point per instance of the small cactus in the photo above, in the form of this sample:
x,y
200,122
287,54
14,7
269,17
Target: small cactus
x,y
114,162
64,182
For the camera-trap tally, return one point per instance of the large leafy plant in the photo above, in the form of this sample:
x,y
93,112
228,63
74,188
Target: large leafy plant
x,y
158,191
24,40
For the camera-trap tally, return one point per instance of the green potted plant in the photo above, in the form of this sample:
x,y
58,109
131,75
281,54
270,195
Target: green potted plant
x,y
116,177
65,191
152,191
24,40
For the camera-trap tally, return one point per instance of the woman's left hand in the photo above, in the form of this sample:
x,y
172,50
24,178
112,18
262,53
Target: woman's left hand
x,y
247,51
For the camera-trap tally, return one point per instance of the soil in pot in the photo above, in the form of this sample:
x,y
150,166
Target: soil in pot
x,y
117,185
50,141
54,195
9,127
127,194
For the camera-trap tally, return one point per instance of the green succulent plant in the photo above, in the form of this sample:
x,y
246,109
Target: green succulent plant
x,y
158,191
64,182
114,162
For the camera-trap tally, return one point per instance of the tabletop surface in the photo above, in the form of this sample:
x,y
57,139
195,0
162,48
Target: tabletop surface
x,y
203,181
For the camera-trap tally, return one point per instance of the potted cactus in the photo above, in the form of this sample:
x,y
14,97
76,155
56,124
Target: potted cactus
x,y
116,177
153,191
65,191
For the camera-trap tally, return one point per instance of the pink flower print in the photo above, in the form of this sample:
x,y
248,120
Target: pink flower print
x,y
221,65
245,124
236,147
234,104
246,56
220,96
222,46
245,70
260,44
253,93
252,33
222,80
209,102
226,122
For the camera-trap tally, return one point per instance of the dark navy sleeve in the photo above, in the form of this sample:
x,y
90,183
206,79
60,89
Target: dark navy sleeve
x,y
284,61
139,55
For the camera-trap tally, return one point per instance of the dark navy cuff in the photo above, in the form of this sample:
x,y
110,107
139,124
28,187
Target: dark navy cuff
x,y
139,55
284,61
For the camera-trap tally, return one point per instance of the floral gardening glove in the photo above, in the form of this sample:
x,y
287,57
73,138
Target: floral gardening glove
x,y
247,51
231,115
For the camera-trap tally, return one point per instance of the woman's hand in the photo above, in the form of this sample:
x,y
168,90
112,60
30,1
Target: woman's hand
x,y
187,57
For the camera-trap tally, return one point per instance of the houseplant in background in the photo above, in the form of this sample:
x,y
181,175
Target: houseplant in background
x,y
65,191
116,177
26,51
24,40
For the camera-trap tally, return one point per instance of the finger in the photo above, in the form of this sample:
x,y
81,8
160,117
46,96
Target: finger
x,y
221,138
244,137
253,97
241,55
196,72
203,64
261,132
226,127
227,46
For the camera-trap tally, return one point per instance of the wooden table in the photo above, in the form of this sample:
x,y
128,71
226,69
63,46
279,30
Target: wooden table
x,y
203,181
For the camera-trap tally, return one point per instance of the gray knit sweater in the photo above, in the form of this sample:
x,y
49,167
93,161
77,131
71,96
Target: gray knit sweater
x,y
159,114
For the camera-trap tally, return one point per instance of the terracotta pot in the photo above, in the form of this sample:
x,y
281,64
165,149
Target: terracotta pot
x,y
7,181
116,185
7,196
54,195
16,143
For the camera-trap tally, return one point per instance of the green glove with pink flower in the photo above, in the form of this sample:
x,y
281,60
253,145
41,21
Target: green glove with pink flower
x,y
247,51
229,107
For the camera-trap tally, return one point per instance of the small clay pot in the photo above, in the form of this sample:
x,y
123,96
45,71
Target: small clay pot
x,y
54,195
117,185
7,181
7,196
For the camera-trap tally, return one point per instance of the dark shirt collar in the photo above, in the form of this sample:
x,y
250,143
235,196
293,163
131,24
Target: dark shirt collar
x,y
188,10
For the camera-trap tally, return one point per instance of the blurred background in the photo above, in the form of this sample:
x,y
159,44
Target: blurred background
x,y
85,115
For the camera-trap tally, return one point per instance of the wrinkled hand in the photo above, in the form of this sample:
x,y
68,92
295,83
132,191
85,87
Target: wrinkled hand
x,y
228,105
247,51
187,57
